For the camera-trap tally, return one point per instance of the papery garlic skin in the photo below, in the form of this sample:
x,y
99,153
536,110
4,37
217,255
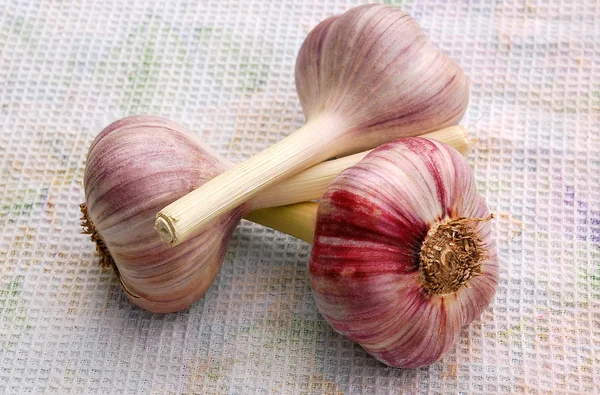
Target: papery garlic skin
x,y
135,167
394,84
366,264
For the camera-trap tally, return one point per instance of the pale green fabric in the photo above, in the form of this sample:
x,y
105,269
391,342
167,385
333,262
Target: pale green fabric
x,y
225,70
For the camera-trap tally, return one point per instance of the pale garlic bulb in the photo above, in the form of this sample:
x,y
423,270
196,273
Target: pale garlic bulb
x,y
403,255
374,68
365,77
134,167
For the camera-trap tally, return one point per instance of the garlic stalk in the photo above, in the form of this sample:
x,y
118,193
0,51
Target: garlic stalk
x,y
365,77
403,255
312,182
139,164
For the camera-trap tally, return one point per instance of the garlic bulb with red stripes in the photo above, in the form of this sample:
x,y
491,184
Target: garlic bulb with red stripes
x,y
403,255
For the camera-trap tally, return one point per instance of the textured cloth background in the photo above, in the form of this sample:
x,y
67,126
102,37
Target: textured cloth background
x,y
225,70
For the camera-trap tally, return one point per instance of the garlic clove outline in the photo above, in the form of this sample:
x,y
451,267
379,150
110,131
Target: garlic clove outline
x,y
396,85
137,165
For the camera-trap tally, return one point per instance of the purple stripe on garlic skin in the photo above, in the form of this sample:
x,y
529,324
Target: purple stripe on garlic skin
x,y
367,265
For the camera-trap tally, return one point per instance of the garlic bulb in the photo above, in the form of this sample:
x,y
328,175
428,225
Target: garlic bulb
x,y
138,165
363,78
134,167
405,258
403,255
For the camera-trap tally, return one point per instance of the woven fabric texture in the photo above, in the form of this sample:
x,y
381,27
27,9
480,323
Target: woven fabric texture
x,y
225,69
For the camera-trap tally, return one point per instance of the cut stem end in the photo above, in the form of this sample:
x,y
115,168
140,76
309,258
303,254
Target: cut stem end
x,y
165,229
451,255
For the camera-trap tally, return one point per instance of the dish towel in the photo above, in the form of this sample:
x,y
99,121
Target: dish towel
x,y
225,69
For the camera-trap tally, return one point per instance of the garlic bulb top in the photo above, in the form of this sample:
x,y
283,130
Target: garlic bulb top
x,y
403,255
374,68
363,78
